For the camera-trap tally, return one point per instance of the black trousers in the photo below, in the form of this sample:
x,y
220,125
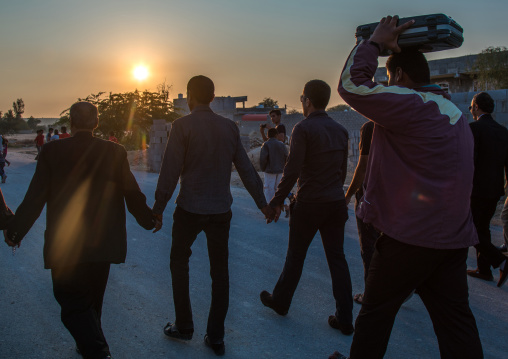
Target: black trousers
x,y
439,275
367,235
186,227
306,219
483,209
80,291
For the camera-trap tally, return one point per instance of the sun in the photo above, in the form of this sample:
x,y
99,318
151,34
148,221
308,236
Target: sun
x,y
140,72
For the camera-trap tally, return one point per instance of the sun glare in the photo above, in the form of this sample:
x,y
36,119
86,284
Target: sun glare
x,y
140,72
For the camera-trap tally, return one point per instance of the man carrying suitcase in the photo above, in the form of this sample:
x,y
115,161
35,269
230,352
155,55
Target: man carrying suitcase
x,y
414,197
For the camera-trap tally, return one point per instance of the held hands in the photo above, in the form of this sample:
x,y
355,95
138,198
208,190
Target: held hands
x,y
271,214
387,33
9,242
158,222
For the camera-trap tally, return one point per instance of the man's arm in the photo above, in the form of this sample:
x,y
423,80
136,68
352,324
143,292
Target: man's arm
x,y
33,203
248,175
389,106
134,198
292,168
358,178
262,131
343,169
171,168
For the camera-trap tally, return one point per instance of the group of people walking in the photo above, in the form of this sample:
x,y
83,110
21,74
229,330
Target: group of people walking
x,y
414,215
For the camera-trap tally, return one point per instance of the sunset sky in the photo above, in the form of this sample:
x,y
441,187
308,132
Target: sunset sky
x,y
54,51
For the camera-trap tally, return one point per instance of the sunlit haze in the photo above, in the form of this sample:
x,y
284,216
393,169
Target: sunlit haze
x,y
140,72
54,52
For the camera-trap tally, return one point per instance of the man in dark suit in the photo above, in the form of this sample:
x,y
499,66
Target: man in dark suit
x,y
84,181
490,166
201,149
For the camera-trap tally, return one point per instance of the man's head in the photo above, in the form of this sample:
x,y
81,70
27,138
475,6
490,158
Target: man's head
x,y
63,129
272,133
39,132
408,68
112,134
84,117
50,130
275,116
200,91
481,104
315,96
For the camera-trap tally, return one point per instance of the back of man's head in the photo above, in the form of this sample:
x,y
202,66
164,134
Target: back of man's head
x,y
272,132
64,129
84,116
276,112
413,63
202,89
318,92
484,102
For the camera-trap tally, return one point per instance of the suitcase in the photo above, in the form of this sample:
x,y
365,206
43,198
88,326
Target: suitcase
x,y
429,33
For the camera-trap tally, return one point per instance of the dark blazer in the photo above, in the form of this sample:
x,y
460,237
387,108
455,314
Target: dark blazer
x,y
490,157
84,181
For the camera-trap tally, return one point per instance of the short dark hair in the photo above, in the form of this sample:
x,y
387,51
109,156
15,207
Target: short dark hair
x,y
272,132
318,92
111,133
56,132
277,112
84,115
202,88
50,129
412,62
39,131
64,129
484,102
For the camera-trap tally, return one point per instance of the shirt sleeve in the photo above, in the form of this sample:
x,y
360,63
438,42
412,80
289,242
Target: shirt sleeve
x,y
388,106
366,138
171,168
294,163
248,175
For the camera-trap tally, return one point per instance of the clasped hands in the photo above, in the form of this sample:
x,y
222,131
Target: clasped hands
x,y
271,213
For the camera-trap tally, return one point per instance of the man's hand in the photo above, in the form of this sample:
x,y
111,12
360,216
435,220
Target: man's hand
x,y
348,200
276,214
268,212
9,242
387,33
158,222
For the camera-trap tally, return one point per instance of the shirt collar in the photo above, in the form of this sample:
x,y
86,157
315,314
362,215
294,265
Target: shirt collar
x,y
200,108
317,113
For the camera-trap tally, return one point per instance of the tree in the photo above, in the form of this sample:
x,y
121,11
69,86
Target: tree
x,y
18,107
129,114
12,122
339,108
491,68
268,102
33,122
293,111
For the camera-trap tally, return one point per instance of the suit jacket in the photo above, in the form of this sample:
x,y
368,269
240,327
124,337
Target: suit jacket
x,y
84,181
490,157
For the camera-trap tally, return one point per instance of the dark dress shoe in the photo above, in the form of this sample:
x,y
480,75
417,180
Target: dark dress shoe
x,y
503,274
172,331
218,348
346,329
337,355
267,300
475,273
